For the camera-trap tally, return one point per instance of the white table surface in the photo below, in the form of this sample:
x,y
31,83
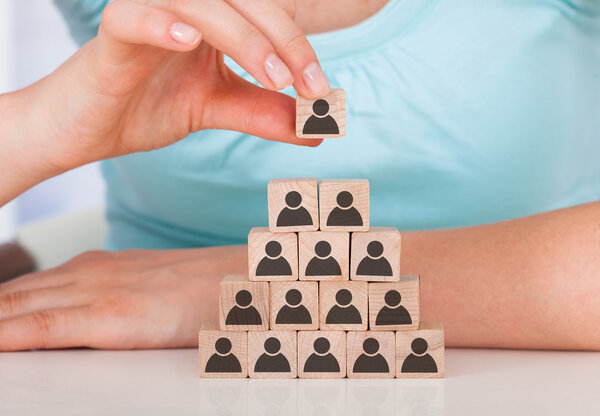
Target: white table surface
x,y
165,383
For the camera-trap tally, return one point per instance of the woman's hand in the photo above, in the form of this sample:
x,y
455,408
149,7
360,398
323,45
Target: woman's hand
x,y
126,300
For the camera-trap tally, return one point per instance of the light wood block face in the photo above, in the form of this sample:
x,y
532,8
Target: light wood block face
x,y
376,255
395,306
294,305
244,305
272,256
324,255
293,205
420,353
371,354
344,205
272,354
223,354
321,354
321,118
343,306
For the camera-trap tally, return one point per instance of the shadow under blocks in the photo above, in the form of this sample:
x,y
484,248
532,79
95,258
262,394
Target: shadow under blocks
x,y
324,296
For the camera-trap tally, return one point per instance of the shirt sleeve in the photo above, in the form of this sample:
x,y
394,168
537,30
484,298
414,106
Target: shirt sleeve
x,y
82,16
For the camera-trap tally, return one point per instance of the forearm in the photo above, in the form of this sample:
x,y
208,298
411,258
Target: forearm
x,y
526,283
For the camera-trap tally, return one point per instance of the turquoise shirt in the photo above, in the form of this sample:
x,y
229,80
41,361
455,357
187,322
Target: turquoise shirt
x,y
458,112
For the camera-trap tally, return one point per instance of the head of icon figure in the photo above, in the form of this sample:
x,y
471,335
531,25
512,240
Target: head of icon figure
x,y
344,199
293,199
419,346
223,346
272,346
321,346
392,298
322,249
371,346
243,298
343,297
375,249
273,249
320,107
293,297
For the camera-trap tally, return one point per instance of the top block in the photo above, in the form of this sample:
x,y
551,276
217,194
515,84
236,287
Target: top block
x,y
293,205
344,204
323,117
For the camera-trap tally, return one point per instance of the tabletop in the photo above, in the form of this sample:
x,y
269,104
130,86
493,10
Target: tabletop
x,y
165,382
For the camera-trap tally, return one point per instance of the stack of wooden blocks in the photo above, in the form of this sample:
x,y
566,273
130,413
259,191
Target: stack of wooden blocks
x,y
324,297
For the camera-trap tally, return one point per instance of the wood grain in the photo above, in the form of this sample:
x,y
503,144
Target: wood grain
x,y
371,363
309,250
334,315
260,341
391,315
433,335
261,243
305,112
368,263
329,209
309,302
252,316
238,353
306,352
279,190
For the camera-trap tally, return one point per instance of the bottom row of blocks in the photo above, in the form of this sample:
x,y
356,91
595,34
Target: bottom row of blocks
x,y
324,354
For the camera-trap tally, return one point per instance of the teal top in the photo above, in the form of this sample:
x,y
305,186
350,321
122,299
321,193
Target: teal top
x,y
458,112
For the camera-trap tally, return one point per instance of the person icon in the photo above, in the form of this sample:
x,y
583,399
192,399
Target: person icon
x,y
272,360
223,361
343,312
419,361
344,214
323,264
374,264
293,214
371,361
293,312
273,264
393,313
320,122
321,361
243,313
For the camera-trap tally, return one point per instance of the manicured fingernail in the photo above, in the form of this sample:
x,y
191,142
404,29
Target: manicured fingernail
x,y
278,72
185,34
315,80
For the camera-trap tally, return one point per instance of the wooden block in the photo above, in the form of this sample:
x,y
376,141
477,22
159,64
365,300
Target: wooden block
x,y
272,256
343,306
323,117
223,354
321,354
371,354
344,204
294,305
272,354
395,306
420,353
376,255
244,304
293,205
324,255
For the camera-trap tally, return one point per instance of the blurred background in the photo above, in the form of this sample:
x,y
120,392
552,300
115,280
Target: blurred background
x,y
34,40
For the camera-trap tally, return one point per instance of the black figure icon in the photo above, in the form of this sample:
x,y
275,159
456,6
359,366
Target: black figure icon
x,y
320,122
323,264
344,214
371,361
343,312
321,361
273,264
223,361
293,214
272,360
419,361
243,313
393,313
374,264
293,312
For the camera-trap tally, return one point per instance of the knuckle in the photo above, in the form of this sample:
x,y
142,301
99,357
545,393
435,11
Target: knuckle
x,y
119,306
110,13
295,44
44,321
12,302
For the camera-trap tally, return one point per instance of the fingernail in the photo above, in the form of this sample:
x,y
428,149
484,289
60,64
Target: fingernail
x,y
278,72
185,34
315,80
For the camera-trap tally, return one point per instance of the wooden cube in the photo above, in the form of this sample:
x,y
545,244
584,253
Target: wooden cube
x,y
223,354
244,305
272,354
293,205
344,205
324,255
323,117
420,353
371,354
321,354
343,306
272,256
294,305
395,306
376,255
